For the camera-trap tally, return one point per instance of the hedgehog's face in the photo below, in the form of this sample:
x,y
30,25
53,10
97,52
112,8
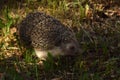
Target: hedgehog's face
x,y
70,48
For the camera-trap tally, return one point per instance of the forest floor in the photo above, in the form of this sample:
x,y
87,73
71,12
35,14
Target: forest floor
x,y
97,28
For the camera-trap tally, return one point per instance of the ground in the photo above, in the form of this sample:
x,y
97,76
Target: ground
x,y
97,28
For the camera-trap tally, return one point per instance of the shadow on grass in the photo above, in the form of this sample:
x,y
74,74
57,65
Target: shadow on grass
x,y
17,68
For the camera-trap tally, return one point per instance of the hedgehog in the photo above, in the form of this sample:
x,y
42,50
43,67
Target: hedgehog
x,y
46,34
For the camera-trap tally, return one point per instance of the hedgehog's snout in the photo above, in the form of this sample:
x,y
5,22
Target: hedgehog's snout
x,y
71,49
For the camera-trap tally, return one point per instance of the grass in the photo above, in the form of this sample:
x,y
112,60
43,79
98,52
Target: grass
x,y
98,38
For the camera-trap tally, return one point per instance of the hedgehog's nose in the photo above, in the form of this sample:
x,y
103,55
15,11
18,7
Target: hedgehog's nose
x,y
72,49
